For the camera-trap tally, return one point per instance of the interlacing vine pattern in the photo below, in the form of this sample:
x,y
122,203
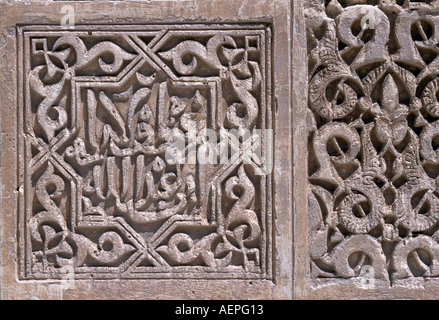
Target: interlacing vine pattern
x,y
373,144
99,193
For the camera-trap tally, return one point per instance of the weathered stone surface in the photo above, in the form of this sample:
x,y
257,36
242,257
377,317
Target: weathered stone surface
x,y
372,215
91,205
95,146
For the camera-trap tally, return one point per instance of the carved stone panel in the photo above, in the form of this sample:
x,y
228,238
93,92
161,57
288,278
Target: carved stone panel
x,y
99,192
373,164
102,187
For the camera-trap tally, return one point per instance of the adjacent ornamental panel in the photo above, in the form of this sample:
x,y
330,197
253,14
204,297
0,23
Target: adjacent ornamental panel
x,y
373,161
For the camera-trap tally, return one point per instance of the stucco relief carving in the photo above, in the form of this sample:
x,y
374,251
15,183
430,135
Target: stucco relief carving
x,y
373,146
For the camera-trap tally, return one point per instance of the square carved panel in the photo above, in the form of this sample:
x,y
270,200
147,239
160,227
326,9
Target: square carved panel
x,y
124,166
100,195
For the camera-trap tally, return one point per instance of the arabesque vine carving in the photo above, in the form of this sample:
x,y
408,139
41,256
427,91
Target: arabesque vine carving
x,y
373,148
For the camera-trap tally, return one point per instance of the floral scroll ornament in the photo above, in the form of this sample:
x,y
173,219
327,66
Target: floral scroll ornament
x,y
52,117
373,198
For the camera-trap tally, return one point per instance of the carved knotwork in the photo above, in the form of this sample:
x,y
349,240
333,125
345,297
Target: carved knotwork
x,y
100,193
373,161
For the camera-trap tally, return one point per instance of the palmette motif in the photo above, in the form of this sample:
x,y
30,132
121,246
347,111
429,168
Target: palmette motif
x,y
100,194
373,145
